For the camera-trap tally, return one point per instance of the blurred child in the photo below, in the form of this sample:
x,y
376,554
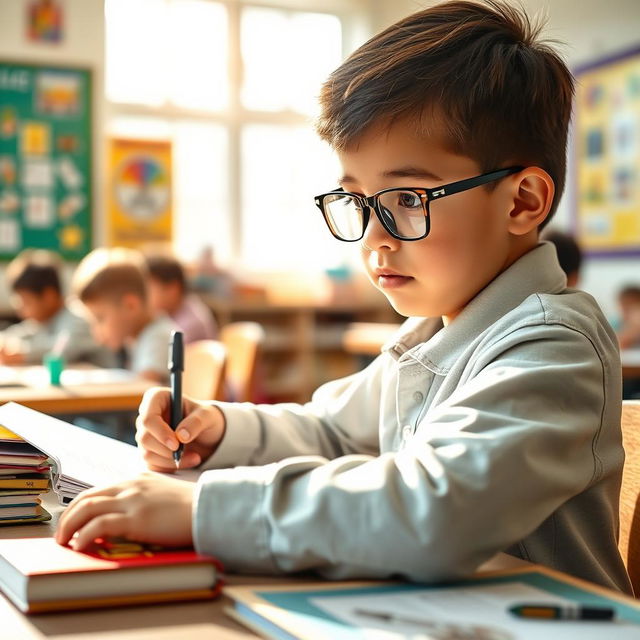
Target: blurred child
x,y
569,253
112,285
168,294
48,324
491,422
629,330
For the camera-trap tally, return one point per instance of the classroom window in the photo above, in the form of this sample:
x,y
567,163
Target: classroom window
x,y
234,86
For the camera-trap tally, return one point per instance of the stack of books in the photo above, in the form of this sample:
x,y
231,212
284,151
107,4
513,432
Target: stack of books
x,y
24,476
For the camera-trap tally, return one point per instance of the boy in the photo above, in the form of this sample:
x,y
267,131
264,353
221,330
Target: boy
x,y
168,294
569,254
47,323
491,423
111,283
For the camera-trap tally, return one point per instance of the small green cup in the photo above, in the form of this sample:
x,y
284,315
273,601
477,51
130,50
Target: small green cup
x,y
54,364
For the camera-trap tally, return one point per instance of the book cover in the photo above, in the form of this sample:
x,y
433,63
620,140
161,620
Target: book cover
x,y
24,481
38,574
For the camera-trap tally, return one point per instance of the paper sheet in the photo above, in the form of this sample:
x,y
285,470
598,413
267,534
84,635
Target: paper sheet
x,y
459,610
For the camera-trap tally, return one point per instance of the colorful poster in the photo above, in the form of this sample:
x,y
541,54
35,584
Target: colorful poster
x,y
140,199
45,159
44,21
608,156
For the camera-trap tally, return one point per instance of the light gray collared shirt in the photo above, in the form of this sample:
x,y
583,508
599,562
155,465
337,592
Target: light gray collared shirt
x,y
499,432
66,332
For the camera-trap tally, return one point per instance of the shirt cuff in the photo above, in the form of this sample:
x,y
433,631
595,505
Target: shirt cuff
x,y
242,432
228,521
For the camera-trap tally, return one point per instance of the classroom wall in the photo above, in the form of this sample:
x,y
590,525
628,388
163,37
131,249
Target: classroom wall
x,y
83,45
592,29
596,29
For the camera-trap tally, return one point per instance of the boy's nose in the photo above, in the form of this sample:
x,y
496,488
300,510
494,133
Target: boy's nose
x,y
376,237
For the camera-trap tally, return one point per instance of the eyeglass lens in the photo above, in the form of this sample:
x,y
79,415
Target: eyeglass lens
x,y
401,212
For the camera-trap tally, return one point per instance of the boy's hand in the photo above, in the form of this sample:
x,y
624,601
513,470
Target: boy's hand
x,y
11,357
200,431
150,508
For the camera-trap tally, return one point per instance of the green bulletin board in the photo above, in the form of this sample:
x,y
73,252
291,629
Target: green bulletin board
x,y
45,159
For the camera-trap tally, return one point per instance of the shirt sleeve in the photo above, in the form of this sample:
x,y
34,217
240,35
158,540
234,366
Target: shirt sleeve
x,y
482,470
342,418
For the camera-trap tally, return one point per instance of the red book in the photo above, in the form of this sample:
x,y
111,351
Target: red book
x,y
38,575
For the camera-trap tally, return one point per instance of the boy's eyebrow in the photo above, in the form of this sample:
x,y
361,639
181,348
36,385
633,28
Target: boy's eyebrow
x,y
410,172
401,172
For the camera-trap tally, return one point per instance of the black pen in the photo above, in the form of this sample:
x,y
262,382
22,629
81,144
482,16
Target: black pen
x,y
562,612
176,367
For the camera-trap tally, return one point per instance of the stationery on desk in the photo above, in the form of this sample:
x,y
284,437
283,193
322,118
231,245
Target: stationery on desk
x,y
476,609
176,367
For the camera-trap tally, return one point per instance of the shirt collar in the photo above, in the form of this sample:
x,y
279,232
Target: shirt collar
x,y
438,347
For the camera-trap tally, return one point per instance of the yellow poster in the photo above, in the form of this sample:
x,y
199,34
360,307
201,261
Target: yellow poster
x,y
608,156
140,193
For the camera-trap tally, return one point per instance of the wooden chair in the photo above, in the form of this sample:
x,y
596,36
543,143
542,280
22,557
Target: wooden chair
x,y
629,542
242,341
204,370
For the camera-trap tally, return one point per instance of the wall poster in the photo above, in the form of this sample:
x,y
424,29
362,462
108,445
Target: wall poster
x,y
139,192
608,156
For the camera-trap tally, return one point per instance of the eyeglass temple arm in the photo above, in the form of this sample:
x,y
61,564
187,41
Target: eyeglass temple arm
x,y
470,183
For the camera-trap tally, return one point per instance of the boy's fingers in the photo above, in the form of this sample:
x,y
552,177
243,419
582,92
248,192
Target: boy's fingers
x,y
158,429
194,424
150,443
82,512
108,525
155,402
160,463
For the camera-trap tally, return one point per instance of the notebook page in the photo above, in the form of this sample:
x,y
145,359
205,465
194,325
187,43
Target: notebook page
x,y
81,455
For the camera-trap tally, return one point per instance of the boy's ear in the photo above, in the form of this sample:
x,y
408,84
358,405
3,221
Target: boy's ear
x,y
131,301
532,200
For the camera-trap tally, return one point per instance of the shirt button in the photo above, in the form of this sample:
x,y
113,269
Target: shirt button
x,y
418,397
407,431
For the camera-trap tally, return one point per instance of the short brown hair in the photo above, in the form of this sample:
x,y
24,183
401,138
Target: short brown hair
x,y
166,269
34,270
504,94
110,274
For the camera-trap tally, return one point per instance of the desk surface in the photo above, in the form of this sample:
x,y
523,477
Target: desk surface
x,y
198,620
88,390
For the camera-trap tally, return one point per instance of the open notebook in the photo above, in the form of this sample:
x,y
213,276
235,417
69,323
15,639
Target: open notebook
x,y
79,458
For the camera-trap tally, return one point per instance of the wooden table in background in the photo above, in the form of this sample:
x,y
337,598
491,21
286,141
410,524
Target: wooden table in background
x,y
367,338
97,395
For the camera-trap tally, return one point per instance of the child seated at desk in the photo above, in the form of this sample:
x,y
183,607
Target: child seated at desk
x,y
111,283
492,422
168,294
48,324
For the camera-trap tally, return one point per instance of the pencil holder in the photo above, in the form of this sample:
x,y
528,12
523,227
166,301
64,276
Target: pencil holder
x,y
54,365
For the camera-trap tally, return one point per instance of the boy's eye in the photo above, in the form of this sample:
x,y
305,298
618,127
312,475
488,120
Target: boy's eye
x,y
408,200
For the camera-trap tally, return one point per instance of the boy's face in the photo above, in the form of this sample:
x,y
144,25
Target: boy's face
x,y
164,297
468,244
111,321
40,307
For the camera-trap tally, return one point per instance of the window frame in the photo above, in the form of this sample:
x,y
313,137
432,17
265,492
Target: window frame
x,y
355,17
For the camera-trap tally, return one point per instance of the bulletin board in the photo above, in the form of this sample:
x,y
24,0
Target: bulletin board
x,y
607,208
45,159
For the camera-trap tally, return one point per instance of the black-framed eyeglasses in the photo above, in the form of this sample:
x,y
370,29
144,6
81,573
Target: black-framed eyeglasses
x,y
403,212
